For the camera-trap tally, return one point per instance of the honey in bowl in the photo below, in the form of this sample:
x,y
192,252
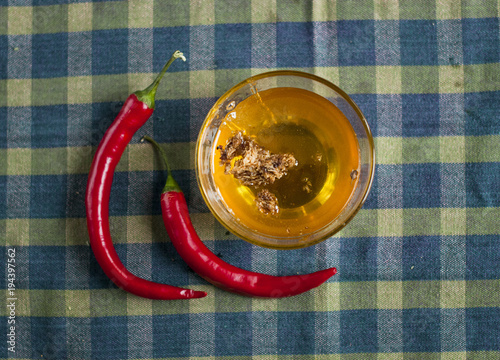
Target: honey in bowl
x,y
284,159
289,120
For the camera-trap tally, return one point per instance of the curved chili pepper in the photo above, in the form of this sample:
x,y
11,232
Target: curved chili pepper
x,y
210,267
135,112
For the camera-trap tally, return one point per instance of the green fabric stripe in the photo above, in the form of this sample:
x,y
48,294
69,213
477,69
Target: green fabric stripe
x,y
355,10
420,80
225,10
110,15
49,91
358,79
4,11
140,157
479,9
409,9
115,14
50,19
77,160
170,13
352,79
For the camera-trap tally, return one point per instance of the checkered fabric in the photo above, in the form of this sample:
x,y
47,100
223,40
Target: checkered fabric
x,y
418,268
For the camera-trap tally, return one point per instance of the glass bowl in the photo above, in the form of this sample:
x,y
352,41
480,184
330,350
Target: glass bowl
x,y
295,113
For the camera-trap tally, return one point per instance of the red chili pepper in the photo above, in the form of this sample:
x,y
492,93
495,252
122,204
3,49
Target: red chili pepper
x,y
210,267
135,112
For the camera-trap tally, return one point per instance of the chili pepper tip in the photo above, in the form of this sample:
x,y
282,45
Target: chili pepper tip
x,y
195,294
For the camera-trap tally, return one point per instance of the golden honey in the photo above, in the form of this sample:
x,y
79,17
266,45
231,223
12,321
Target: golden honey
x,y
315,191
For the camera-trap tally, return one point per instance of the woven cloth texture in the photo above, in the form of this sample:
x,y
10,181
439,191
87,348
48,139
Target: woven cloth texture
x,y
418,267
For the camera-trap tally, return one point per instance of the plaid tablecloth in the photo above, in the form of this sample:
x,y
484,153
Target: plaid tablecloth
x,y
418,268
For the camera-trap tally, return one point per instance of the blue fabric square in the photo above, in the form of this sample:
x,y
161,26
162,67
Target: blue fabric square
x,y
421,256
6,255
421,330
296,333
48,338
482,328
421,185
171,121
233,334
43,261
49,55
169,268
359,331
325,43
390,330
10,335
451,114
367,103
420,114
356,42
51,2
49,126
452,185
482,181
418,42
142,192
481,113
79,125
3,127
103,114
299,261
195,200
387,49
327,339
78,266
17,203
293,44
483,257
480,39
358,259
48,196
118,199
109,337
75,202
235,252
166,41
78,329
140,259
170,333
23,267
4,55
157,184
109,51
371,201
3,197
20,57
233,46
199,108
388,186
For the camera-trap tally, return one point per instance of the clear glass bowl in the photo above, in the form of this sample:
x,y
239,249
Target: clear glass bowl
x,y
228,102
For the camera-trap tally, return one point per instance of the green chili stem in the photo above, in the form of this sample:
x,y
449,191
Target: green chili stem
x,y
171,184
147,95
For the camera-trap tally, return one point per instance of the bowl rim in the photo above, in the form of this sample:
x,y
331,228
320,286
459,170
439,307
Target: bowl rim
x,y
302,74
